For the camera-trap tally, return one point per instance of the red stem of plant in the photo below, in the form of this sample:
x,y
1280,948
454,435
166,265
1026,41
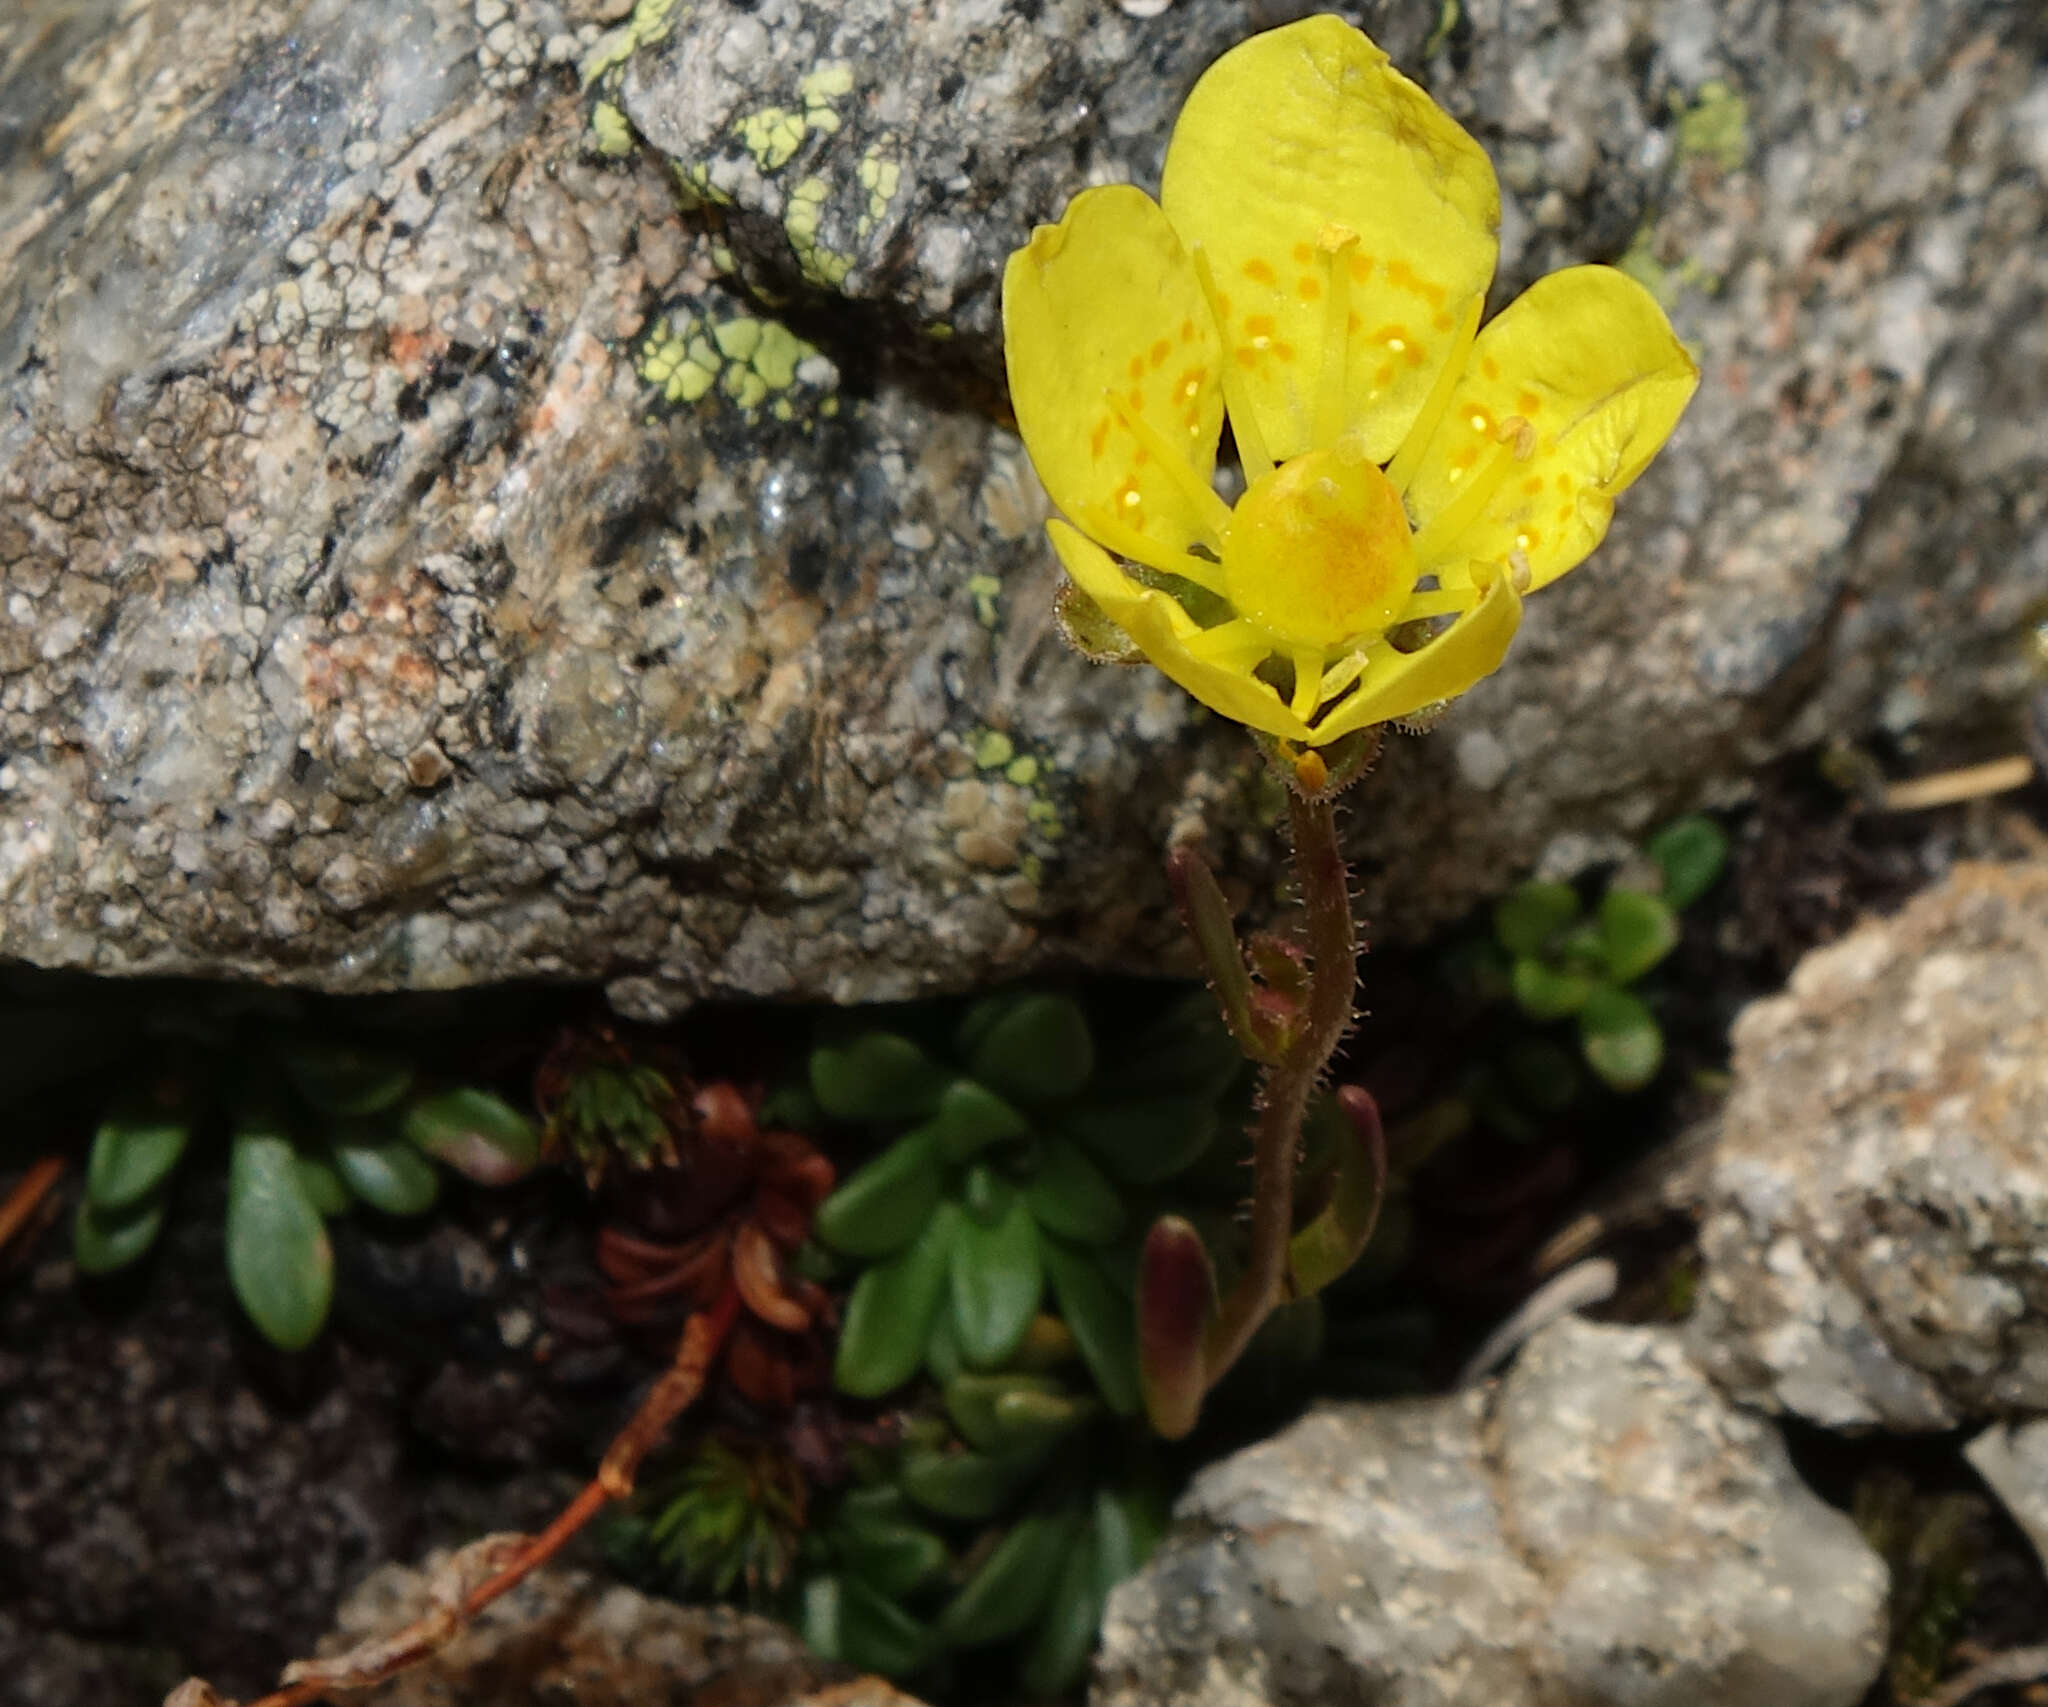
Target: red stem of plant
x,y
1284,1092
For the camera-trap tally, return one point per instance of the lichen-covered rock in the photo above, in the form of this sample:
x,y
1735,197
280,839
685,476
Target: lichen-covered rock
x,y
1600,1528
425,562
1872,1230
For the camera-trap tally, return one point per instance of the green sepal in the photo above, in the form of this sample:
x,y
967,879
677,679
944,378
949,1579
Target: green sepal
x,y
104,1240
1056,1659
1335,1239
279,1259
1103,1319
1530,914
971,1117
887,1203
478,1134
878,1076
1072,1197
138,1143
970,1486
1545,993
1005,1597
997,1281
1690,851
1621,1040
346,1080
389,1175
1636,931
1038,1051
889,1317
1147,1141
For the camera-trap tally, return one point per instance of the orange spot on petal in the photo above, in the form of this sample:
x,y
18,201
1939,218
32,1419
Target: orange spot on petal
x,y
1441,320
1258,325
1136,399
1304,253
1137,367
1187,331
1528,403
1283,352
1160,351
1385,377
1246,356
1489,367
1533,484
1098,441
1308,289
1259,272
1361,268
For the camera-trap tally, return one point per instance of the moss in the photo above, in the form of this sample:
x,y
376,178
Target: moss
x,y
1715,127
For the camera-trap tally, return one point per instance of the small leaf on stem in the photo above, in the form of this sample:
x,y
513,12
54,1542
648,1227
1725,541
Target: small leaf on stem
x,y
1334,1240
1176,1296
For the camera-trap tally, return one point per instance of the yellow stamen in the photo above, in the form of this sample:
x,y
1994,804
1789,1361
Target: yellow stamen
x,y
1334,242
1443,530
1308,683
1214,512
1244,426
1401,471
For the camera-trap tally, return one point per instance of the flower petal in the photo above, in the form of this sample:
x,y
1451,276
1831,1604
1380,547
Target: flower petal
x,y
1288,140
1106,303
1162,630
1399,684
1587,357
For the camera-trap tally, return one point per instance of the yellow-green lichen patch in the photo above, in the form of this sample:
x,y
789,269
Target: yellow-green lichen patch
x,y
1715,127
1022,770
1044,817
650,22
820,89
993,749
880,176
748,359
694,187
822,266
772,135
1665,283
610,130
982,589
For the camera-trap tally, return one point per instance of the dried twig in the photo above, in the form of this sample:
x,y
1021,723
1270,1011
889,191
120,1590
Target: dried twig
x,y
1949,788
18,1210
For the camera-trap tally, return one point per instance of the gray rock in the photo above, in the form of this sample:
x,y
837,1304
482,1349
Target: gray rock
x,y
1601,1527
2013,1460
1872,1231
424,563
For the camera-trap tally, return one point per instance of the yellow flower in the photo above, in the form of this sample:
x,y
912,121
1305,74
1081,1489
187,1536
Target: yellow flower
x,y
1316,265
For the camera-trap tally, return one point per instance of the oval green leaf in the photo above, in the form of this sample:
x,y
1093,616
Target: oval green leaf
x,y
1005,1597
970,1486
137,1145
878,1076
1104,1321
1621,1040
1146,1141
391,1176
1636,931
1530,914
279,1259
894,1559
1690,852
343,1079
324,1186
876,1634
1544,993
889,1317
1038,1051
1057,1658
104,1240
480,1135
1072,1197
996,1284
971,1117
887,1203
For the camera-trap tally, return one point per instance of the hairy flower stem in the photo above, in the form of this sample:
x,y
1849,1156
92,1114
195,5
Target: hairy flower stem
x,y
1285,1089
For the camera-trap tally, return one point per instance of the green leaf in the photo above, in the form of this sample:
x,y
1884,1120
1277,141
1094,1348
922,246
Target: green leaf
x,y
997,1281
1039,1051
1145,1142
887,1203
1529,915
986,1195
1072,1197
1036,1422
1621,1040
875,1634
342,1079
390,1175
279,1259
1690,851
894,1559
1186,1051
971,1117
1057,1658
103,1240
970,1486
479,1135
819,1618
889,1317
971,1403
137,1145
1636,931
878,1076
324,1187
942,1359
1334,1240
1005,1597
1104,1320
1544,993
1128,1526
